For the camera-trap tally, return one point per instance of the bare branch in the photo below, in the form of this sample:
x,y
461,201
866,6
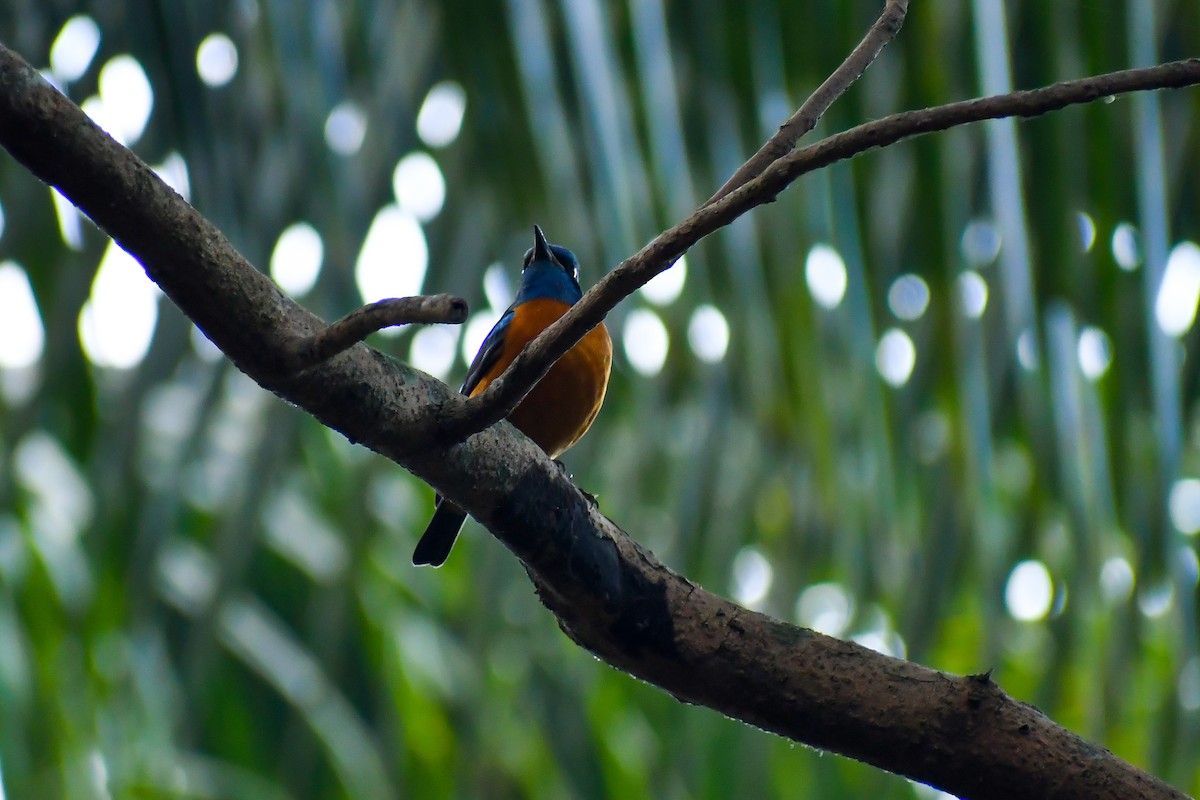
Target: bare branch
x,y
963,734
806,118
503,395
362,322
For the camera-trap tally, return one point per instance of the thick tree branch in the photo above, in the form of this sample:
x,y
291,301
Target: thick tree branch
x,y
527,369
962,734
806,118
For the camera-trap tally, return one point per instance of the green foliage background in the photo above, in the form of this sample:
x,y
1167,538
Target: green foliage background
x,y
311,660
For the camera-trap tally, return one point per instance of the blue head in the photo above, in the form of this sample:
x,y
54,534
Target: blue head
x,y
550,271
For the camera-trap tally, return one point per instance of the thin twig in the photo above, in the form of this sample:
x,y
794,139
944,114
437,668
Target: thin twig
x,y
362,322
498,400
806,118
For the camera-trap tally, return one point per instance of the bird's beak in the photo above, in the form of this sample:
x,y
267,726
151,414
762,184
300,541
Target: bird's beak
x,y
541,248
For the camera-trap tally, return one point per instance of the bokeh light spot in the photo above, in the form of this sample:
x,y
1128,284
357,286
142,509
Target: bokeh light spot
x,y
646,341
203,347
752,576
1087,231
1094,352
895,356
117,322
1027,350
419,186
665,287
879,634
1029,591
1183,505
345,128
908,297
296,259
826,608
216,60
980,243
126,99
887,642
22,335
174,173
1116,580
69,220
1156,600
1126,246
393,258
440,118
476,330
924,792
825,272
1175,305
433,350
972,294
708,334
497,288
74,48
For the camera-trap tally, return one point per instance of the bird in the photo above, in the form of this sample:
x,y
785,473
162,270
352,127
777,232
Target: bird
x,y
558,411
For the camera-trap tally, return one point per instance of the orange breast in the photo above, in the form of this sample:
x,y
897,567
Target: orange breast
x,y
560,409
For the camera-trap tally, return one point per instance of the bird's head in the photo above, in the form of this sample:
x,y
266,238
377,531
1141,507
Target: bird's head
x,y
543,255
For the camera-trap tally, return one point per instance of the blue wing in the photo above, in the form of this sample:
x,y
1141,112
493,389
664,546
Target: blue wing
x,y
489,352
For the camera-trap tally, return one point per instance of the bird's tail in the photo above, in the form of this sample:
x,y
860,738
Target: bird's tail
x,y
439,536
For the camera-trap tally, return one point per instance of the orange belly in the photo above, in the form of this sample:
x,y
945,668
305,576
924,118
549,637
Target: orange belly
x,y
558,411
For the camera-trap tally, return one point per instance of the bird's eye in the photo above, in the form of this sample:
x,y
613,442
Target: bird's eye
x,y
528,258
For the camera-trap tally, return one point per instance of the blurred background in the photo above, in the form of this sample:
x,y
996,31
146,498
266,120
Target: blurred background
x,y
940,400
